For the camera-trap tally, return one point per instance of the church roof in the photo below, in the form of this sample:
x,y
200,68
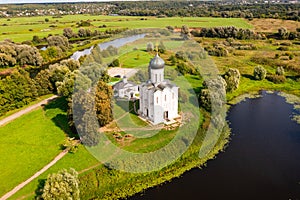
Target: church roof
x,y
157,62
122,85
159,87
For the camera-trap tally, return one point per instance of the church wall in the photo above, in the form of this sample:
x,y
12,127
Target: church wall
x,y
157,75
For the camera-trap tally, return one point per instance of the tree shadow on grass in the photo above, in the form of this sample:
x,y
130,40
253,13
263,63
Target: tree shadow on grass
x,y
248,76
60,103
61,120
40,187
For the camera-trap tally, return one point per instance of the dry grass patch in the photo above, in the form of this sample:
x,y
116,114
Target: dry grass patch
x,y
272,25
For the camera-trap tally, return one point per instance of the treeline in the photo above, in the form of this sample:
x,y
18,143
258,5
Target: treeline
x,y
227,32
20,88
169,9
244,34
12,54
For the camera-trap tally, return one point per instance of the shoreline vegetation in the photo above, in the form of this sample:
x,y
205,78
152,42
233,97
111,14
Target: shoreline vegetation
x,y
101,182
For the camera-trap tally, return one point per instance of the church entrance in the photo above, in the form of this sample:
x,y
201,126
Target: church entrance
x,y
166,115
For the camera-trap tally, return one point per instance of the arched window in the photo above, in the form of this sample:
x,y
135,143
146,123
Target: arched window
x,y
157,100
165,97
155,77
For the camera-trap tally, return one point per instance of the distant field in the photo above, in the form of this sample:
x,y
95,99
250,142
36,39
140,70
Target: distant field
x,y
24,28
272,25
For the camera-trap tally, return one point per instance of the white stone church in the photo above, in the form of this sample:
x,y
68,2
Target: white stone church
x,y
158,96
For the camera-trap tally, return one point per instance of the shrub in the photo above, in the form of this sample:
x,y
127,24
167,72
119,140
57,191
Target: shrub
x,y
276,78
259,73
232,78
279,71
283,48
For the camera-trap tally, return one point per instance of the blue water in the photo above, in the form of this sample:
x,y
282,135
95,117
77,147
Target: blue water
x,y
262,160
115,43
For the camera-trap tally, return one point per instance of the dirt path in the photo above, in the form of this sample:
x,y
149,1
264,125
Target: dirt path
x,y
21,185
26,110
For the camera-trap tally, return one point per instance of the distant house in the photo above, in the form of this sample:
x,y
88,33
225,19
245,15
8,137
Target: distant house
x,y
125,89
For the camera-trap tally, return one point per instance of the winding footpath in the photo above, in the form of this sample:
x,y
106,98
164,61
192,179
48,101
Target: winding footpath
x,y
57,158
26,110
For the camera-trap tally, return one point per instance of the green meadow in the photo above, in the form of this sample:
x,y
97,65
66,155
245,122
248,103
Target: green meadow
x,y
24,28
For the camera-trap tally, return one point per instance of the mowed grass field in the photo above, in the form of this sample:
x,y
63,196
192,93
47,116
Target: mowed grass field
x,y
26,145
30,142
24,28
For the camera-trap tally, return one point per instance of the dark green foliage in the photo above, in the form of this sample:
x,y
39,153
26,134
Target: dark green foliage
x,y
62,185
27,55
115,63
57,73
181,55
59,41
185,32
84,23
81,113
275,78
184,68
103,104
16,90
283,48
212,96
95,72
22,54
161,47
150,47
259,73
232,78
140,76
68,32
43,83
280,71
71,64
52,53
217,50
227,32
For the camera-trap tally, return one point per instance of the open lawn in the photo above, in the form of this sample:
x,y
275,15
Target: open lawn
x,y
29,143
24,28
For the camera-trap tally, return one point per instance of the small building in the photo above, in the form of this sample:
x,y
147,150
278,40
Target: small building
x,y
125,89
158,96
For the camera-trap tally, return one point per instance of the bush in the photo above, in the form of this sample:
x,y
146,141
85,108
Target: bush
x,y
280,71
259,73
283,48
276,78
232,78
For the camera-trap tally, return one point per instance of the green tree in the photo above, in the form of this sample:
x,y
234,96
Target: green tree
x,y
232,78
71,64
185,32
214,94
59,41
62,185
103,103
27,55
259,73
280,71
43,83
161,47
68,32
150,47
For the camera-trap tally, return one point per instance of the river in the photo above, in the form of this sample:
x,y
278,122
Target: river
x,y
115,43
262,160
